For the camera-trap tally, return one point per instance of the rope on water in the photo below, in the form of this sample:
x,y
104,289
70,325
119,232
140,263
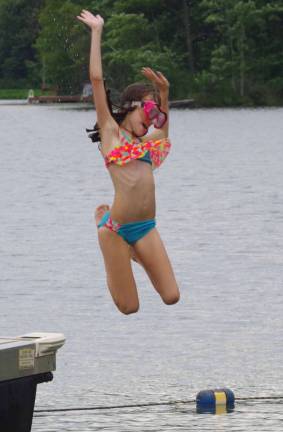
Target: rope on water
x,y
149,404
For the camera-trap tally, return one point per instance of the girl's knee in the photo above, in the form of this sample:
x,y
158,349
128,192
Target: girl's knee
x,y
127,308
171,298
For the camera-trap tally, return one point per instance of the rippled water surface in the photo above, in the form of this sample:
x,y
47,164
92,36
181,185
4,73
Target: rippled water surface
x,y
220,213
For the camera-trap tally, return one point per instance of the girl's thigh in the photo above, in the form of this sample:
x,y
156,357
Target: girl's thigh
x,y
119,272
152,254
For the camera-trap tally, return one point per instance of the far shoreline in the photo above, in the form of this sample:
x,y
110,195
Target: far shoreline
x,y
176,105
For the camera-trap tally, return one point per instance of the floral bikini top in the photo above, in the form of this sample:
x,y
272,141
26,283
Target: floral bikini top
x,y
129,150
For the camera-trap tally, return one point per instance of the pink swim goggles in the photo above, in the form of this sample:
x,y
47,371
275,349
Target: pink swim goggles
x,y
152,112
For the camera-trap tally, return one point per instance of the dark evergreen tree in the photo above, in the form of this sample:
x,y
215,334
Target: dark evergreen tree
x,y
19,29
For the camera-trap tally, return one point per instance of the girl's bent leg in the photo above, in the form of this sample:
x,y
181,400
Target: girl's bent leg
x,y
151,253
98,214
119,272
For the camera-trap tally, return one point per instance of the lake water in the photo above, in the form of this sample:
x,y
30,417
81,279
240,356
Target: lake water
x,y
220,213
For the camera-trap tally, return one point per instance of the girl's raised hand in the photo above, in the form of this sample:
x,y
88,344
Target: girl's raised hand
x,y
157,78
95,22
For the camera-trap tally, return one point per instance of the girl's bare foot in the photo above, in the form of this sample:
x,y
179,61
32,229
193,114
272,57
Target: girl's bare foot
x,y
99,212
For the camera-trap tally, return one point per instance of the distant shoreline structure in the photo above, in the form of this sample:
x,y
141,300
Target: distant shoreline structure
x,y
58,99
182,103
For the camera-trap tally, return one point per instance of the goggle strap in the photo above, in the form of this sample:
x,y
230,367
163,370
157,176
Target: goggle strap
x,y
133,104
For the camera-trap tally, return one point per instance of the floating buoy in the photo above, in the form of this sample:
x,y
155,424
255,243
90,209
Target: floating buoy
x,y
217,401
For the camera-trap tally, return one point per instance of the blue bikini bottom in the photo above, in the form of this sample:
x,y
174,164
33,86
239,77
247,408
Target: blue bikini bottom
x,y
131,232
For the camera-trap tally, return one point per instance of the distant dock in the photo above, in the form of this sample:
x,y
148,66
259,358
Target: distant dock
x,y
182,103
58,99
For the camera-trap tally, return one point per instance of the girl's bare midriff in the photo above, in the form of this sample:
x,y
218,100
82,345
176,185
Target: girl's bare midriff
x,y
134,198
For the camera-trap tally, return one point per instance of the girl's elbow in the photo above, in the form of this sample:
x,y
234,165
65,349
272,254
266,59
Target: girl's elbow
x,y
95,78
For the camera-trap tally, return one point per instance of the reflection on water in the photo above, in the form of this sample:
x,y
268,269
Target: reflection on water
x,y
220,213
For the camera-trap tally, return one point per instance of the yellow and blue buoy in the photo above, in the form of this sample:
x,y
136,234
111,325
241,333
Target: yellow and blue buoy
x,y
217,401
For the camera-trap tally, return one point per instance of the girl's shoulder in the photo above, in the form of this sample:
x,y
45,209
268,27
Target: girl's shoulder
x,y
110,137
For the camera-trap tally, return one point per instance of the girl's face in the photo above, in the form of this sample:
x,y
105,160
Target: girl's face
x,y
138,121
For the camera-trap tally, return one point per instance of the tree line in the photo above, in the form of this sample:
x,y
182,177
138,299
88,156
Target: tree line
x,y
219,52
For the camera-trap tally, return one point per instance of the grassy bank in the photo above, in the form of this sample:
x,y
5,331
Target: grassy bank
x,y
21,93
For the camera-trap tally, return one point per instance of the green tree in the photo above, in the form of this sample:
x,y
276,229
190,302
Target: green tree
x,y
18,31
267,40
222,51
124,57
240,35
153,33
62,46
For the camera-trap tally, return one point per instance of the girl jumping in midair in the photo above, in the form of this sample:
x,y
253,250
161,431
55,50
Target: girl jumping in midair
x,y
127,230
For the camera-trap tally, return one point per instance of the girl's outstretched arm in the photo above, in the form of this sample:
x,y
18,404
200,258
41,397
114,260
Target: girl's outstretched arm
x,y
95,23
161,82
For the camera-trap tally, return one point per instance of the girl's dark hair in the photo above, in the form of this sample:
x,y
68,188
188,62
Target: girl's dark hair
x,y
134,92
